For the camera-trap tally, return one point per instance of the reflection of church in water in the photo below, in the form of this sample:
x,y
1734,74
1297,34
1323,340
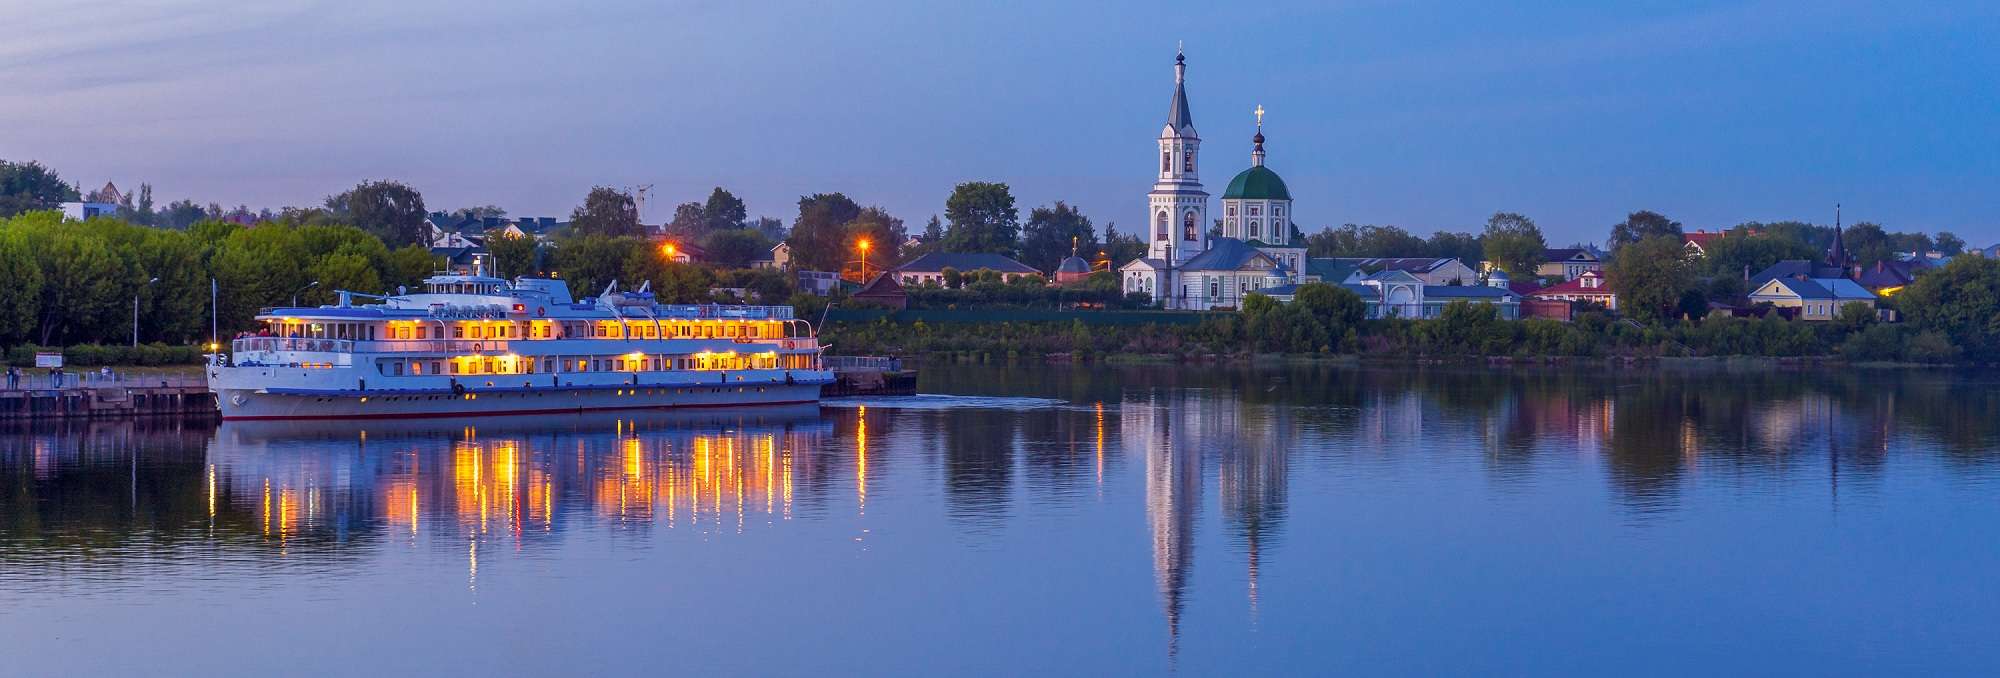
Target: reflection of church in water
x,y
1178,435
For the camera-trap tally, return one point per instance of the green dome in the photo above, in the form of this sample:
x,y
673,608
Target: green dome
x,y
1257,183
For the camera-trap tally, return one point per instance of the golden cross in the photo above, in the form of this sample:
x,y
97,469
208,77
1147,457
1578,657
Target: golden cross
x,y
1260,115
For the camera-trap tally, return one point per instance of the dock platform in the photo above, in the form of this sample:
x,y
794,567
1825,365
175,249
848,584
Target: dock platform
x,y
108,399
868,376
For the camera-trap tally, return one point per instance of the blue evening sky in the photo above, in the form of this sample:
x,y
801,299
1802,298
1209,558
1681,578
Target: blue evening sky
x,y
1424,115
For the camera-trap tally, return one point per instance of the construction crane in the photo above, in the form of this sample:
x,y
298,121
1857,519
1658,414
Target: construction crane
x,y
639,196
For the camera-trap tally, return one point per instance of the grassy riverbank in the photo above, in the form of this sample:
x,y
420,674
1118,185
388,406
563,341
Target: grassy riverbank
x,y
1462,333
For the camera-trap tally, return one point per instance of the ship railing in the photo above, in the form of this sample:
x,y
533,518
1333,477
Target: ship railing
x,y
723,312
309,344
431,346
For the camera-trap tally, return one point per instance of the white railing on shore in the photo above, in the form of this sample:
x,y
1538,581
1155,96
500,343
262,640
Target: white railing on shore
x,y
41,379
862,363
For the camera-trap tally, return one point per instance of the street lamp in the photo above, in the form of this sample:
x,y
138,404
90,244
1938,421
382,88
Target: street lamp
x,y
669,250
863,246
295,295
135,313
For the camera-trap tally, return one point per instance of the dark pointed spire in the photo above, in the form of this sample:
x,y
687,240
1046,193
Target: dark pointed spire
x,y
1178,117
1836,254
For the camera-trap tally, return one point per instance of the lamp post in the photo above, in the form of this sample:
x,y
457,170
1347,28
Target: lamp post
x,y
863,246
135,313
669,250
295,295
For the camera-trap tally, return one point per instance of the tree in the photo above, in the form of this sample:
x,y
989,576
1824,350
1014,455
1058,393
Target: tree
x,y
1464,247
1867,243
1387,241
688,221
1650,276
183,214
1514,244
479,212
344,271
1337,308
606,212
1641,225
884,234
1949,243
139,210
20,289
392,211
80,287
256,268
723,211
772,229
1737,251
1047,237
408,265
933,230
589,262
983,218
735,247
513,255
1960,301
27,187
1121,248
818,232
1855,315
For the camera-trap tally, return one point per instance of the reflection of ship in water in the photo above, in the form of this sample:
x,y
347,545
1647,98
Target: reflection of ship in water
x,y
516,479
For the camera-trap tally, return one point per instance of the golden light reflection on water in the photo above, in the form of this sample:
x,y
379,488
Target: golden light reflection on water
x,y
861,458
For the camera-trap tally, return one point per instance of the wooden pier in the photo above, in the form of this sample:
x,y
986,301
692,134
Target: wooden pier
x,y
178,398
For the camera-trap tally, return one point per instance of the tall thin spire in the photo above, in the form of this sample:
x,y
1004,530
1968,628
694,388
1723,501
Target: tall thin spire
x,y
1836,254
1257,142
1179,117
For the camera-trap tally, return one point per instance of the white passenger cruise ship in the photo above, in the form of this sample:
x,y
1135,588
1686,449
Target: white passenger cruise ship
x,y
478,345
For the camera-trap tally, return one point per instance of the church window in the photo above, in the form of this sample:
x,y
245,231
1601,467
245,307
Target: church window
x,y
1255,210
1187,162
1232,224
1188,227
1255,229
1232,210
1277,210
1162,227
1166,161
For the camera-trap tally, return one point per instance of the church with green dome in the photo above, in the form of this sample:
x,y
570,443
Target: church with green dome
x,y
1257,207
1193,262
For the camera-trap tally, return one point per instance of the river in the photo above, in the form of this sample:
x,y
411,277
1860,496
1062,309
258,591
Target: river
x,y
1289,520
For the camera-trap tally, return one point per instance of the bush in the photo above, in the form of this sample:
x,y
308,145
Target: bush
x,y
1930,347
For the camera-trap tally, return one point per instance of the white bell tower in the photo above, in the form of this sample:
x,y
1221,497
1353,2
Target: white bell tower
x,y
1177,216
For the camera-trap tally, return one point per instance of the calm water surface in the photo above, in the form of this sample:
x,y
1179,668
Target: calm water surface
x,y
1030,520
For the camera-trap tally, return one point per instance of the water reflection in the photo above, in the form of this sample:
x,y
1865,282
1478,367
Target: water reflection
x,y
1225,465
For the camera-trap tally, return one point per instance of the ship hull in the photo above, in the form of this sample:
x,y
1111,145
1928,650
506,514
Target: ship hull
x,y
254,396
253,406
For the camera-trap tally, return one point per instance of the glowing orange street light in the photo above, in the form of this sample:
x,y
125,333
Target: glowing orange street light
x,y
862,245
668,249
